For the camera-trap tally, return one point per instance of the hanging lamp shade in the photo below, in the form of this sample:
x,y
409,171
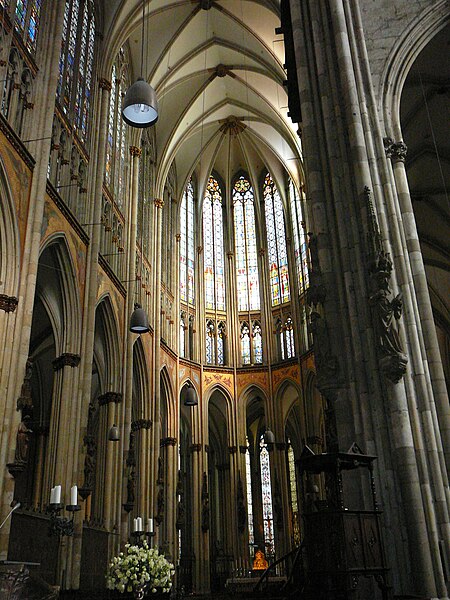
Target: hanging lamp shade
x,y
113,434
190,397
139,320
269,436
140,106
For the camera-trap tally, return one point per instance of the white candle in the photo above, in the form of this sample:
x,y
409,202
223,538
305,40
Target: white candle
x,y
52,496
57,494
149,525
74,495
139,524
134,524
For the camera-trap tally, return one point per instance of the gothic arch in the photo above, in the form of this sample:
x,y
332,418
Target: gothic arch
x,y
404,53
107,319
9,239
140,400
57,289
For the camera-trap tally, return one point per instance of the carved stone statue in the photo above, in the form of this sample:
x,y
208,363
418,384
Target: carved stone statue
x,y
205,503
22,441
25,401
326,362
160,506
386,313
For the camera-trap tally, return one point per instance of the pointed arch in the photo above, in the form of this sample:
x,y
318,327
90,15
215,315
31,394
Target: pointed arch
x,y
9,239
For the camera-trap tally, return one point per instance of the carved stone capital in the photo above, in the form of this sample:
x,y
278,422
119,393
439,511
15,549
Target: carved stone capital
x,y
232,449
158,202
230,255
395,150
8,303
109,397
104,84
135,151
141,424
168,441
195,447
178,237
66,360
242,449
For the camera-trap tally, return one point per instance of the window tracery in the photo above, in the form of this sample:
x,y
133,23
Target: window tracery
x,y
267,506
245,245
213,252
300,243
187,251
276,243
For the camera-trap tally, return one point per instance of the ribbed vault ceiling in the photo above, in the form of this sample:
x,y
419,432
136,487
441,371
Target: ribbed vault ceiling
x,y
217,68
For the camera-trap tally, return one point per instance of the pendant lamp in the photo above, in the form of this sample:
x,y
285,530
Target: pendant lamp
x,y
139,320
190,397
140,105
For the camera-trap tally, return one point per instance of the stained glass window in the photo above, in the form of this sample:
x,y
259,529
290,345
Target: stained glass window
x,y
26,21
257,343
248,475
276,243
266,498
214,263
245,343
187,255
21,13
221,333
245,244
293,496
300,246
210,335
289,337
110,134
76,62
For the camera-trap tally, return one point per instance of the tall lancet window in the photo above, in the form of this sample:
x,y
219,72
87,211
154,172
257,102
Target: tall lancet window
x,y
276,243
187,255
213,253
75,64
26,21
300,246
245,244
293,495
248,476
266,489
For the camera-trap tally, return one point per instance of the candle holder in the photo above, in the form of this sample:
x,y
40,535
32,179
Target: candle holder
x,y
150,535
137,535
61,525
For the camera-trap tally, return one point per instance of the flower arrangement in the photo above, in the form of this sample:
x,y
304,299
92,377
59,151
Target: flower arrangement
x,y
140,568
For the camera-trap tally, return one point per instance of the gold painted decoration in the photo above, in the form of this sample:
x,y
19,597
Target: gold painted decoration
x,y
251,378
225,379
279,375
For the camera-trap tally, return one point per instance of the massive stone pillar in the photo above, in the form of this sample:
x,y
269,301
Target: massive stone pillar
x,y
368,359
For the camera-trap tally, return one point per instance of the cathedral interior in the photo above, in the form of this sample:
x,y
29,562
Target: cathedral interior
x,y
231,323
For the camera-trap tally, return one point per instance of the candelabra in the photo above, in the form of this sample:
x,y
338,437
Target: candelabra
x,y
138,534
61,525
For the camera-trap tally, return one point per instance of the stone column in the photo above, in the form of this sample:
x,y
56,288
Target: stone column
x,y
169,444
16,356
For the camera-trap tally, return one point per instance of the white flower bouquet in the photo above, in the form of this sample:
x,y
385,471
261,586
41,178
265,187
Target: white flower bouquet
x,y
140,568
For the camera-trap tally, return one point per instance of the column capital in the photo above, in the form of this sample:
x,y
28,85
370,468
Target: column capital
x,y
135,151
158,202
104,84
395,150
8,303
109,397
232,449
195,447
66,360
243,449
141,424
168,441
178,237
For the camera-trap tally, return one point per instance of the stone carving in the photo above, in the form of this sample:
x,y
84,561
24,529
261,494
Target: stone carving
x,y
160,506
8,303
205,503
241,512
316,292
91,454
386,310
395,150
66,359
131,475
160,478
25,401
326,362
23,441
